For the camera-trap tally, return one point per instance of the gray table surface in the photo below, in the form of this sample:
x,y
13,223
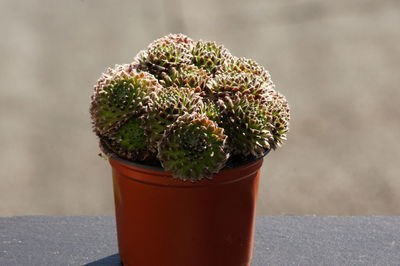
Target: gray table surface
x,y
279,240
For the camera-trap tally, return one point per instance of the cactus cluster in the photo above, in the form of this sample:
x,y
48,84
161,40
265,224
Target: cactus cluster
x,y
189,106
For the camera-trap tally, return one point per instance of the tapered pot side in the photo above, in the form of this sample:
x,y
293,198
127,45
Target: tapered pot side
x,y
165,221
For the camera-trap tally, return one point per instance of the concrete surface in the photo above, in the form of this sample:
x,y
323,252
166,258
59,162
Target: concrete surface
x,y
279,240
336,61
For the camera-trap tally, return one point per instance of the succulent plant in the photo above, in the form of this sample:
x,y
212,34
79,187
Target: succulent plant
x,y
212,111
210,56
188,76
231,85
278,110
193,147
178,39
248,66
129,141
162,56
247,123
120,94
189,106
165,108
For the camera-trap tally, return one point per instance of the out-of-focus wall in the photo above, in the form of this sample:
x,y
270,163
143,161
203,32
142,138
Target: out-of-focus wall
x,y
336,61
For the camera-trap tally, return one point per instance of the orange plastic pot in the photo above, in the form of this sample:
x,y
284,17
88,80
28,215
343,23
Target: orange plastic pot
x,y
162,221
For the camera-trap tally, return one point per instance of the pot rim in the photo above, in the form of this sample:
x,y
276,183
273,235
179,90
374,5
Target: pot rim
x,y
114,156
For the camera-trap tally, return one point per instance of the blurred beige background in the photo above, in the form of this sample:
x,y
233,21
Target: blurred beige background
x,y
338,63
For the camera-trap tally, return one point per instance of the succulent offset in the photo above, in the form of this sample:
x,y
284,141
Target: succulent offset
x,y
129,141
188,106
193,147
211,57
164,110
120,94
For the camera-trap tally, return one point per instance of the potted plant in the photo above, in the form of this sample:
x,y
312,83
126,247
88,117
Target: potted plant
x,y
185,127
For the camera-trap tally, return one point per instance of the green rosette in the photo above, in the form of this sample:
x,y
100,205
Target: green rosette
x,y
120,94
165,108
210,56
193,148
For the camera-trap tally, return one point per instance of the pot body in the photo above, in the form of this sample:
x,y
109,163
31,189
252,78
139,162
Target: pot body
x,y
163,221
